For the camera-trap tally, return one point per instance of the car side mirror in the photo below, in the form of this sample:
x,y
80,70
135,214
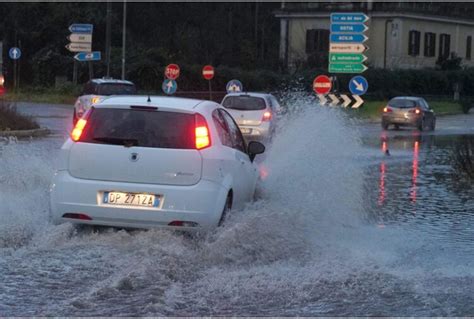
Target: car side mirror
x,y
254,149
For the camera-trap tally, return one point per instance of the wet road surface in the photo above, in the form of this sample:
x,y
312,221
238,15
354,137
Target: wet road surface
x,y
340,229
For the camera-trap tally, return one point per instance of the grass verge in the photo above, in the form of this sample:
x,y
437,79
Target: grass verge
x,y
11,120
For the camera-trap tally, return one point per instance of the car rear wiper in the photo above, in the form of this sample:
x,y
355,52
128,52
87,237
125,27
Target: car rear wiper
x,y
127,142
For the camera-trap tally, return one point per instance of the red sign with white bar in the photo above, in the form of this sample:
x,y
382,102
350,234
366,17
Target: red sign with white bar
x,y
322,84
208,72
172,71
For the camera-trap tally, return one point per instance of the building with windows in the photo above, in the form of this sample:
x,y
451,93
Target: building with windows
x,y
401,34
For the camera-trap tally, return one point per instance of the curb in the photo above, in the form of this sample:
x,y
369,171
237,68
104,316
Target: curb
x,y
39,132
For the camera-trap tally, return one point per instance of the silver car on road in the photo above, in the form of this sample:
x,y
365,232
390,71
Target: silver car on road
x,y
255,113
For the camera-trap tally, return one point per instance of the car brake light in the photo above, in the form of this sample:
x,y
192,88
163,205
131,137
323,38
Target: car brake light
x,y
387,109
267,116
416,111
77,131
95,99
201,131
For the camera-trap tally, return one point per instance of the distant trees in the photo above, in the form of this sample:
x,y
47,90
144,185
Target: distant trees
x,y
241,35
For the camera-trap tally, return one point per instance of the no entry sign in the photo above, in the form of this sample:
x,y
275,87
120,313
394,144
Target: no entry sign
x,y
208,72
172,71
322,84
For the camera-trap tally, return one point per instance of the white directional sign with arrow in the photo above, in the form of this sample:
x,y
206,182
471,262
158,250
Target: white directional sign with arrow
x,y
14,53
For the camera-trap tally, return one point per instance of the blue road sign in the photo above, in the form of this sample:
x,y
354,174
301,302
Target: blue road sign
x,y
81,28
358,85
88,56
169,86
348,17
348,38
14,53
348,28
234,86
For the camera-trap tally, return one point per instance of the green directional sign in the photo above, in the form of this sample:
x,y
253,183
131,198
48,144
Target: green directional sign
x,y
347,58
346,68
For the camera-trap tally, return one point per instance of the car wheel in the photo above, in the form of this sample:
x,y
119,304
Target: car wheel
x,y
226,210
421,125
385,125
433,125
397,127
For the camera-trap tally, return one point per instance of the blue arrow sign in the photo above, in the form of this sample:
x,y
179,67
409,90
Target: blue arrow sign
x,y
169,86
358,85
348,28
88,56
81,28
234,86
349,17
14,53
348,38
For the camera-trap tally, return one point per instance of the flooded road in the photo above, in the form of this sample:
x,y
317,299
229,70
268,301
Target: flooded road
x,y
340,229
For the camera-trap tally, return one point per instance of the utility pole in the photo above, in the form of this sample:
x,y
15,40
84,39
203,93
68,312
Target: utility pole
x,y
124,36
108,35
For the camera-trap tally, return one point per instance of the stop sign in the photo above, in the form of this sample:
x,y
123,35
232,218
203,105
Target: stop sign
x,y
208,72
322,84
172,71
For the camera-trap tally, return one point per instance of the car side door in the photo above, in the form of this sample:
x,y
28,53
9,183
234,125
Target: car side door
x,y
246,171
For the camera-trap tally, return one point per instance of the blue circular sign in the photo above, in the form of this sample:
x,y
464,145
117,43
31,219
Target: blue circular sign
x,y
169,86
358,85
234,86
14,53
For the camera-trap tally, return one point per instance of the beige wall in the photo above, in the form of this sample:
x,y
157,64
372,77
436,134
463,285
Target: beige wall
x,y
397,30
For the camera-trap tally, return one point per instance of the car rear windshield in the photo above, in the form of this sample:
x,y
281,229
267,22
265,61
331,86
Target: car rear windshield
x,y
132,127
244,103
402,103
116,89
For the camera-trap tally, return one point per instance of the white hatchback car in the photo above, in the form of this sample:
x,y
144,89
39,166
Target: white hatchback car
x,y
255,113
137,161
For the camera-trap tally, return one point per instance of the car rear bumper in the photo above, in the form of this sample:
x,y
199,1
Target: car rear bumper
x,y
401,119
256,133
201,203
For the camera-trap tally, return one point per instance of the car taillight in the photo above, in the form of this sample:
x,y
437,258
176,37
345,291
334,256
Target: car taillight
x,y
387,109
201,131
267,116
95,99
416,111
77,131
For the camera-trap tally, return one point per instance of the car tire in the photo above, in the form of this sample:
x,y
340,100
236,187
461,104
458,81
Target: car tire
x,y
421,125
384,125
227,208
397,127
433,125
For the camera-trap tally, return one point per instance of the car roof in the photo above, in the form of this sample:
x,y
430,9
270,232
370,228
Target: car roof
x,y
110,81
157,101
254,94
411,98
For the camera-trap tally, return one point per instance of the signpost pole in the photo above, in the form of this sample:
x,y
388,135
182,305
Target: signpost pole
x,y
91,71
108,35
210,90
74,73
124,37
14,76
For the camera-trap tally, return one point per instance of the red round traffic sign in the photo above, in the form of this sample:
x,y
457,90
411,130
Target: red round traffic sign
x,y
172,71
322,84
208,72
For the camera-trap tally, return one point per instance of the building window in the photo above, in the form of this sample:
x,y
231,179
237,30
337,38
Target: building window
x,y
317,40
414,43
444,46
468,47
430,44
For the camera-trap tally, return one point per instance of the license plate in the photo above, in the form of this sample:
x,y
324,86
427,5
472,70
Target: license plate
x,y
131,199
246,130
